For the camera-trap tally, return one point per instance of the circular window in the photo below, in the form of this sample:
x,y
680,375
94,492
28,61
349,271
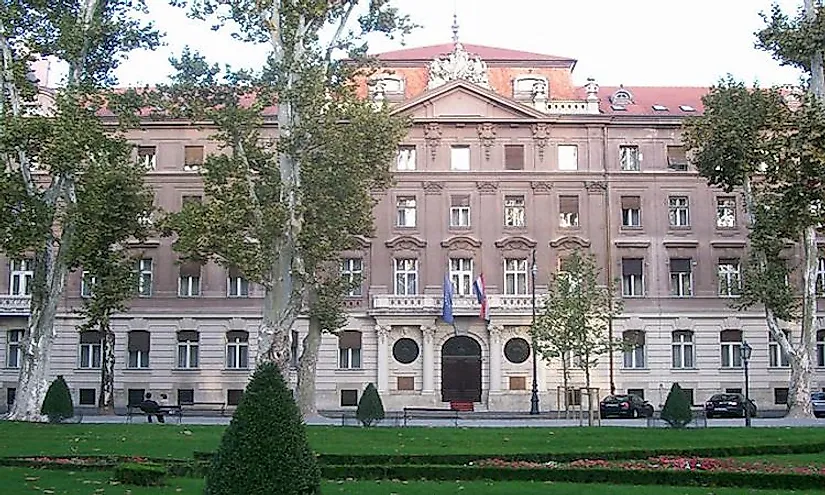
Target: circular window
x,y
517,350
405,350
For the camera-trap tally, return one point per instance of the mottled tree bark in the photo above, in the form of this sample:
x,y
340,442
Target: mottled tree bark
x,y
307,370
106,402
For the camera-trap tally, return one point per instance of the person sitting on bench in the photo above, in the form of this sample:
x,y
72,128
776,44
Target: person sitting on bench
x,y
151,407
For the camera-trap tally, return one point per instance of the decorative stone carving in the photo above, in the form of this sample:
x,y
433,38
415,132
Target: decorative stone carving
x,y
487,187
357,242
458,64
515,242
731,323
541,187
595,186
487,136
683,323
432,187
428,333
570,240
461,242
407,242
495,330
540,136
432,135
592,89
382,331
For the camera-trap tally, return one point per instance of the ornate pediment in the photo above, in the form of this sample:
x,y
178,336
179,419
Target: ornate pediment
x,y
461,242
358,242
595,186
458,64
515,242
541,186
570,241
432,187
408,242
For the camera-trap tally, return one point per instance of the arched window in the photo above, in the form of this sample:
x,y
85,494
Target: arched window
x,y
634,349
731,345
683,349
349,350
188,349
90,349
237,349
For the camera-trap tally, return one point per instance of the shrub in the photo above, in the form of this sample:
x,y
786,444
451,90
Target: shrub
x,y
264,450
132,473
677,411
58,402
370,408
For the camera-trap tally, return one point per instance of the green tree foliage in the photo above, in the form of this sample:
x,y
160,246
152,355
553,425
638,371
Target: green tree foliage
x,y
57,405
370,408
55,158
677,411
265,450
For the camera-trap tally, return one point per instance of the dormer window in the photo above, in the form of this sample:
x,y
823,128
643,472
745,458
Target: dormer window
x,y
659,108
687,108
527,87
389,85
621,98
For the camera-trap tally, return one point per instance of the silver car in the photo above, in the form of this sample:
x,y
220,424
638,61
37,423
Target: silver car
x,y
818,404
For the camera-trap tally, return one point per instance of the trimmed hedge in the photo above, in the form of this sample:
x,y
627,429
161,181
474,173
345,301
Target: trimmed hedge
x,y
583,475
140,474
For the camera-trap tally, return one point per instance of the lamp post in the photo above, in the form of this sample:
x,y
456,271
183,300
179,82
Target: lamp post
x,y
745,352
534,398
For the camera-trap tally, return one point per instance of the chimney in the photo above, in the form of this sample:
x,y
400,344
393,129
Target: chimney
x,y
592,89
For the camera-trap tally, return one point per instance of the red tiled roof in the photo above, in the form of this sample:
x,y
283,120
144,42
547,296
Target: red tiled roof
x,y
487,53
645,97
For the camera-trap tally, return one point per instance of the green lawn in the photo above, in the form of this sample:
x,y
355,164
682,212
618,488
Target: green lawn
x,y
178,441
19,480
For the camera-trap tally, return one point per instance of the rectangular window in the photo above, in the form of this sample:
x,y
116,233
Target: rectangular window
x,y
629,158
147,157
777,358
236,284
294,342
820,276
192,157
186,396
87,282
135,396
349,350
681,277
634,349
633,277
87,396
22,272
90,350
568,157
820,349
678,211
405,211
730,278
189,280
515,276
237,350
352,273
689,394
406,276
682,349
731,347
234,396
188,349
514,211
677,158
460,158
514,157
14,353
631,211
349,398
461,274
144,276
460,211
568,211
138,345
726,212
405,159
780,395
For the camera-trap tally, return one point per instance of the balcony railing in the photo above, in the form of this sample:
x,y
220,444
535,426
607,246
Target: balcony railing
x,y
14,305
462,305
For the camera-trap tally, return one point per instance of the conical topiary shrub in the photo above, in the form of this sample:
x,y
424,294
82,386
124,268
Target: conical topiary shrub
x,y
264,450
677,411
370,408
57,405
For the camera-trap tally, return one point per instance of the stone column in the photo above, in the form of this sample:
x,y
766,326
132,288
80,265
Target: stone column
x,y
383,358
428,359
495,357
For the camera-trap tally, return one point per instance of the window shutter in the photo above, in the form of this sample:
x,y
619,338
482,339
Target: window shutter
x,y
731,336
632,266
139,341
631,202
569,204
349,339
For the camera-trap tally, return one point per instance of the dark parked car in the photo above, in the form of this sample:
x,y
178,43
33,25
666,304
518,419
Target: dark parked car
x,y
721,405
818,404
625,406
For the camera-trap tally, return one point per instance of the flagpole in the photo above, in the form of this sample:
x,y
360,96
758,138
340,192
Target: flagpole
x,y
534,399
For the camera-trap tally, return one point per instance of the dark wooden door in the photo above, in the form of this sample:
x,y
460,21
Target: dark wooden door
x,y
461,370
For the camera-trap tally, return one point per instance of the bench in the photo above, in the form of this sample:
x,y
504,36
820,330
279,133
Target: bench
x,y
207,406
430,412
168,410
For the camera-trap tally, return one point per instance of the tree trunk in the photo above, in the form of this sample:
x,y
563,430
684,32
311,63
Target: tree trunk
x,y
49,280
801,357
106,403
307,369
565,382
275,330
587,386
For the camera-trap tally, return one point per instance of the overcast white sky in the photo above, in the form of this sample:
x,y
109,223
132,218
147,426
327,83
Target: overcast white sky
x,y
632,42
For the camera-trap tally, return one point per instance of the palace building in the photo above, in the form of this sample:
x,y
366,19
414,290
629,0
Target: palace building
x,y
506,155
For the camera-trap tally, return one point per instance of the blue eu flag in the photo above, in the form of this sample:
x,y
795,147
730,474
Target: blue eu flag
x,y
447,305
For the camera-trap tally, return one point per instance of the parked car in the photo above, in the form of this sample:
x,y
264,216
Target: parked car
x,y
818,404
721,405
625,406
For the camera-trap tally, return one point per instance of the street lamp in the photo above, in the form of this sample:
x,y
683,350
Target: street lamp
x,y
745,353
534,399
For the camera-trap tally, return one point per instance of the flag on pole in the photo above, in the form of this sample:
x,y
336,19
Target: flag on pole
x,y
447,303
481,294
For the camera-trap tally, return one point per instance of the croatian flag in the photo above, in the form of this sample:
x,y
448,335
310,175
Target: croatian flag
x,y
447,304
481,294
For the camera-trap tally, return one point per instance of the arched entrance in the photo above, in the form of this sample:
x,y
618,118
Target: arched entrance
x,y
461,370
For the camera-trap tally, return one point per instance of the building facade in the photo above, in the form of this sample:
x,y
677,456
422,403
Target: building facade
x,y
506,156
